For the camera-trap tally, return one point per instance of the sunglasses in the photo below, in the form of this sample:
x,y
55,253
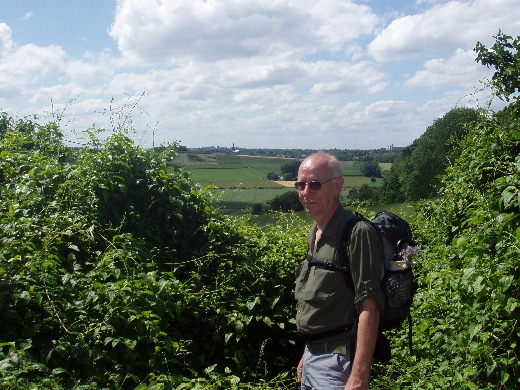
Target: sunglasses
x,y
313,185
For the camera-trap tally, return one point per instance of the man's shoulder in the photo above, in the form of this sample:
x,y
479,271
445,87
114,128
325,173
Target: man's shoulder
x,y
353,221
364,225
342,215
364,231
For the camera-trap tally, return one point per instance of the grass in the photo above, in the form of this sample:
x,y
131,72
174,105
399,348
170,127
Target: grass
x,y
405,210
240,181
214,176
243,198
351,168
238,172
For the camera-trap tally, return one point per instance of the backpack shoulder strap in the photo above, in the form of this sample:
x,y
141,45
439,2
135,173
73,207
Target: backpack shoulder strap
x,y
341,258
341,255
341,251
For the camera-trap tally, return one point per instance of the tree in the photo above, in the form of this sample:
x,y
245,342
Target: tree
x,y
257,209
272,176
472,232
415,173
291,168
371,169
504,56
364,194
288,201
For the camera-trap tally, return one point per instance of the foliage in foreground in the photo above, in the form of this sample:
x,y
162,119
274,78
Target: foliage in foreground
x,y
467,311
127,298
466,314
116,273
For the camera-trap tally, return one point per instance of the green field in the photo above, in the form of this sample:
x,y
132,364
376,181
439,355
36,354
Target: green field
x,y
240,199
240,181
237,172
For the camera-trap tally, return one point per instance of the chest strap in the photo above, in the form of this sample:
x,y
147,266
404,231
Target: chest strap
x,y
314,262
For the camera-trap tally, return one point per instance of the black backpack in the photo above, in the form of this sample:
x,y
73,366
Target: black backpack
x,y
397,279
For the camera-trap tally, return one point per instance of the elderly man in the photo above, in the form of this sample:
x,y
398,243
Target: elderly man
x,y
328,307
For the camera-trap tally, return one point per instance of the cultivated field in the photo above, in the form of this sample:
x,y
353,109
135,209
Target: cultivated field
x,y
239,182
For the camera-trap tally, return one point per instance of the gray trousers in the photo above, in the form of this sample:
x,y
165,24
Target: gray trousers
x,y
325,371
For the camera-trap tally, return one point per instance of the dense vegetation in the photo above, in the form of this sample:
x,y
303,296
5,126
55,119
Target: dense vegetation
x,y
117,273
466,314
415,173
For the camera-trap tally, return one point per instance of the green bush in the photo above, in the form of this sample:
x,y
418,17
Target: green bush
x,y
288,201
467,310
116,273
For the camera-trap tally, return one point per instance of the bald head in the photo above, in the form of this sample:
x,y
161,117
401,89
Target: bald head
x,y
322,160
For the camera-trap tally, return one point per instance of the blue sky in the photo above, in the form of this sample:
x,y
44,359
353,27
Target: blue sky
x,y
278,74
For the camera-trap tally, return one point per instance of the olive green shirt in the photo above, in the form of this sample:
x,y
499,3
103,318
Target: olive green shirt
x,y
324,301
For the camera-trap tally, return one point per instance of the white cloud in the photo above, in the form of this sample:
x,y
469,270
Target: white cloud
x,y
459,70
341,77
28,15
102,65
444,28
274,95
45,73
386,108
59,93
174,32
34,62
5,40
28,65
219,71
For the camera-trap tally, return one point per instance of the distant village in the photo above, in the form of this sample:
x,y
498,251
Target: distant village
x,y
342,154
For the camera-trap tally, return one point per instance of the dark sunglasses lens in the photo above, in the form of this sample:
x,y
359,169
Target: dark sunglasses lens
x,y
314,185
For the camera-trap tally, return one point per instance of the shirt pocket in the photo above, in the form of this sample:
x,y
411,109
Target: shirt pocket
x,y
322,285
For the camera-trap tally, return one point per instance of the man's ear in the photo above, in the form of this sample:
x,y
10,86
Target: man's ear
x,y
338,185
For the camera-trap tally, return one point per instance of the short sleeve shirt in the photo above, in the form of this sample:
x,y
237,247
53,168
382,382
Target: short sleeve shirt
x,y
324,300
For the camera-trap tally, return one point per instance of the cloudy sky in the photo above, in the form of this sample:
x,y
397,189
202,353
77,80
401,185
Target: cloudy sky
x,y
270,74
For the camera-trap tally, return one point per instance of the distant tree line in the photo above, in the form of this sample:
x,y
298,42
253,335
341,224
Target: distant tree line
x,y
382,155
416,169
415,173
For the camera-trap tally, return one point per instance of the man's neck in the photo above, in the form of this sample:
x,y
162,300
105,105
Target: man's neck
x,y
323,220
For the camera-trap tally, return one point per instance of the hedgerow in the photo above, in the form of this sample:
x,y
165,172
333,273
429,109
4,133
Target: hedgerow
x,y
116,272
466,313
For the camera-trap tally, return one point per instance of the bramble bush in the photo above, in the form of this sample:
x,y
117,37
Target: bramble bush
x,y
115,272
466,311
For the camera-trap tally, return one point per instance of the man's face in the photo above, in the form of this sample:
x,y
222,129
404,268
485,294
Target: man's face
x,y
322,202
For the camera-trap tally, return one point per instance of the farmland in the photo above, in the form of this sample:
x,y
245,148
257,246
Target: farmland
x,y
240,181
